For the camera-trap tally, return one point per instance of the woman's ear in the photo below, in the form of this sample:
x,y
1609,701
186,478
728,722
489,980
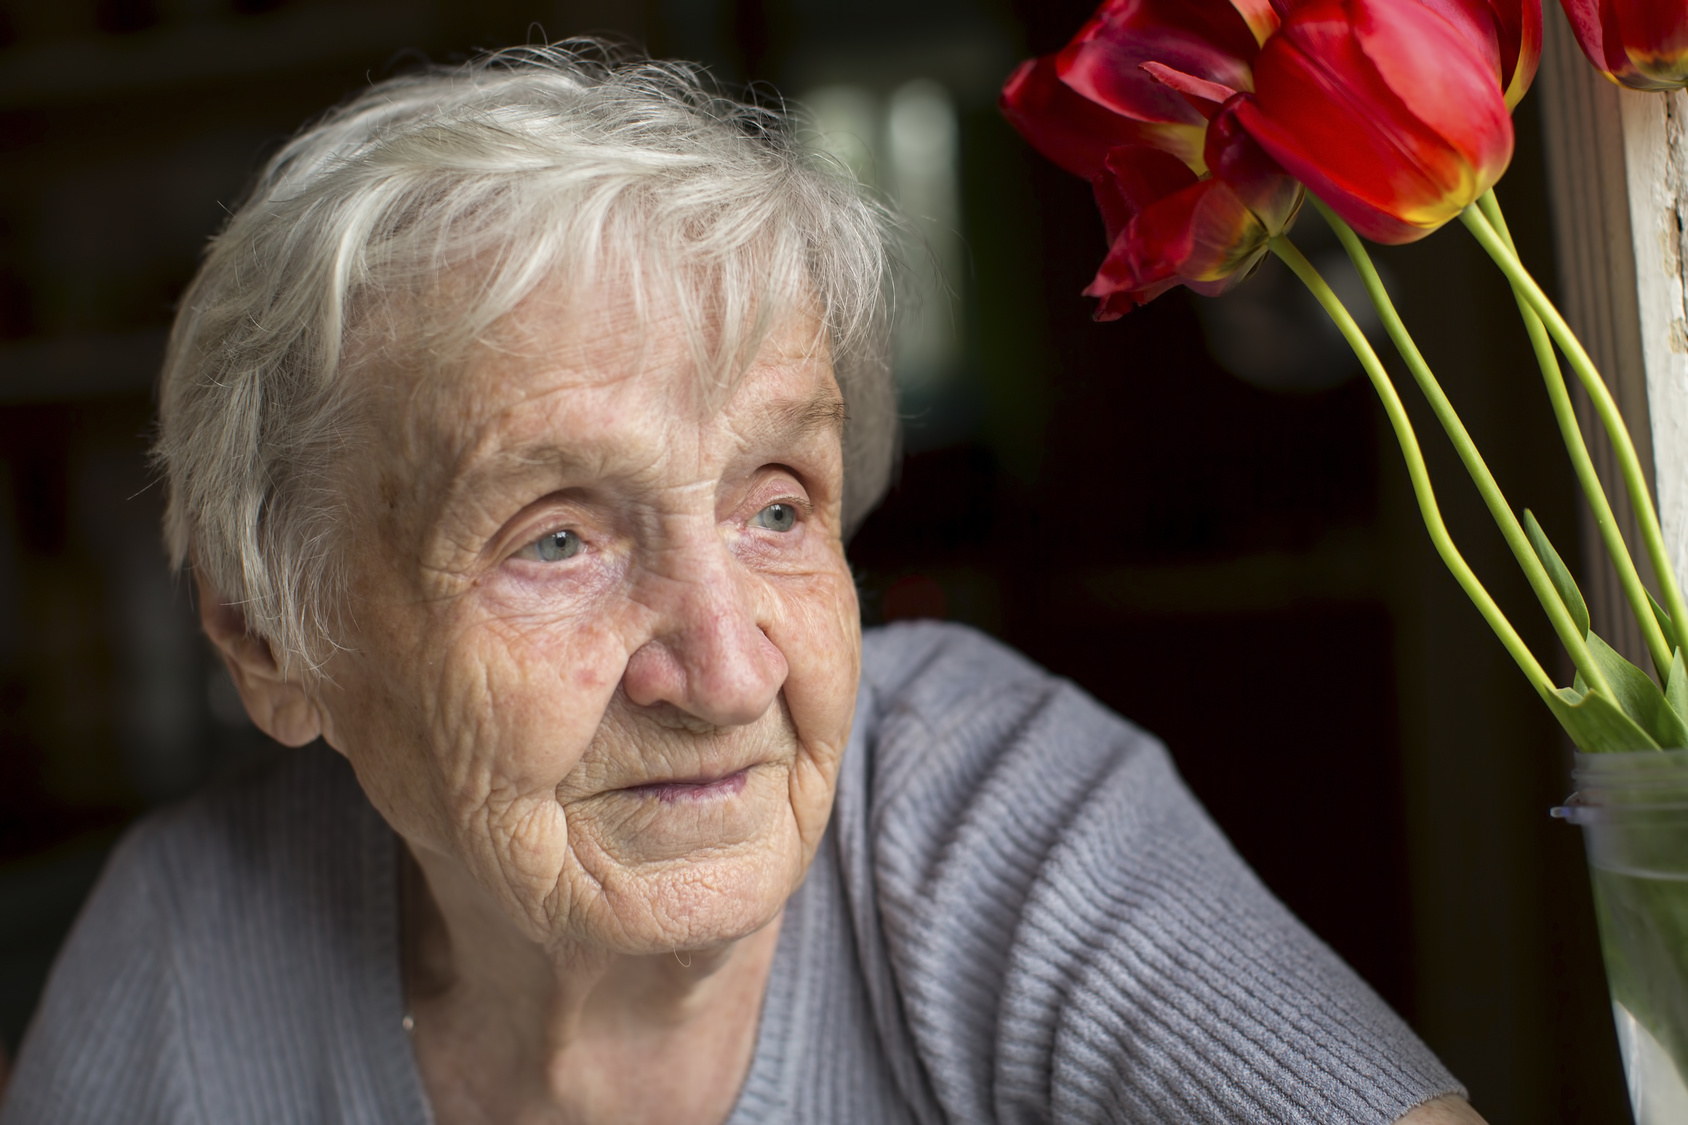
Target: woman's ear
x,y
277,702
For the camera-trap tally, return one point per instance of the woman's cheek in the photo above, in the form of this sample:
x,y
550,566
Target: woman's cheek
x,y
824,645
562,629
537,686
820,637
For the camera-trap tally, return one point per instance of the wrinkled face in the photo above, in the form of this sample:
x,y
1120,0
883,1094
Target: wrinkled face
x,y
604,645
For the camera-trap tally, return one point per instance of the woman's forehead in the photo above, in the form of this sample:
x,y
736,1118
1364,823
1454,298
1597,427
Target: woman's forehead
x,y
616,354
558,391
428,358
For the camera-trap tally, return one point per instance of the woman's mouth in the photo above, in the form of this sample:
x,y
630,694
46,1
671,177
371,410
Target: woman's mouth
x,y
692,789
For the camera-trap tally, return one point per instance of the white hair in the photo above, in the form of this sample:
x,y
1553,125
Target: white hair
x,y
472,186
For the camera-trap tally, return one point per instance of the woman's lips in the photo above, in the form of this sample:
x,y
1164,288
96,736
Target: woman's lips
x,y
692,789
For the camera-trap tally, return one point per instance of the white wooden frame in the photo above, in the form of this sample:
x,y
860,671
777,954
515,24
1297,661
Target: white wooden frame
x,y
1618,173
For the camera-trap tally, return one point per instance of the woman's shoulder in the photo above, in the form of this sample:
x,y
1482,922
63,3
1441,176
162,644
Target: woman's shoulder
x,y
272,892
934,664
971,754
951,714
279,878
288,815
1069,934
277,849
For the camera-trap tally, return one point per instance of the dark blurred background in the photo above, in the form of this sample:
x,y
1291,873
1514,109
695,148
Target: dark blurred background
x,y
1196,512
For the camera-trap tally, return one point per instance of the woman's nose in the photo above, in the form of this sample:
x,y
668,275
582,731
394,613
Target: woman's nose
x,y
708,654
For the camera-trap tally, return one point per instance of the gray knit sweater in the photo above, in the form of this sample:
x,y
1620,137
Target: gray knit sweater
x,y
1019,914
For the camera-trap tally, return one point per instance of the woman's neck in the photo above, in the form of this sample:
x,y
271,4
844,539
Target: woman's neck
x,y
505,1030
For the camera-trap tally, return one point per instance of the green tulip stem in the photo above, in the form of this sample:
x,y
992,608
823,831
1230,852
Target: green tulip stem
x,y
1566,415
1629,464
1552,602
1416,470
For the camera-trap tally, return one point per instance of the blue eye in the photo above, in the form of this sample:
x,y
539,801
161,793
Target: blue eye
x,y
777,517
555,546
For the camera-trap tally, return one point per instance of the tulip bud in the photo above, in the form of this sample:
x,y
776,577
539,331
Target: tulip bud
x,y
1140,103
1387,111
1167,227
1642,44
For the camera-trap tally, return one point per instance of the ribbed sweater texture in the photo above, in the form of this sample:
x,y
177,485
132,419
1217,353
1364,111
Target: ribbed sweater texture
x,y
1018,914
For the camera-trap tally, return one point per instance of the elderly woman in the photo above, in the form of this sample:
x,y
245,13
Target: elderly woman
x,y
513,430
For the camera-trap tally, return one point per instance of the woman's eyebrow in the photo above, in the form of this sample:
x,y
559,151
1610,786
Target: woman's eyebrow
x,y
781,421
794,420
533,464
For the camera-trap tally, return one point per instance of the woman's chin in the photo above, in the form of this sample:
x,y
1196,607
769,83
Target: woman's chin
x,y
680,919
706,899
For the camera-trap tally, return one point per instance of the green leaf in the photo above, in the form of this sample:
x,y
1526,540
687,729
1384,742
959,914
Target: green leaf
x,y
1638,695
1562,580
1595,723
1665,625
1676,687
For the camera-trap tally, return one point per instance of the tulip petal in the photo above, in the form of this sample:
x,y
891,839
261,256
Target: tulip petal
x,y
1309,118
1475,20
1206,38
1115,303
1372,222
1261,17
1202,236
1635,43
1654,40
1384,110
1588,24
1133,178
1237,160
1204,97
1076,133
1225,237
1508,32
1520,44
1461,118
1584,18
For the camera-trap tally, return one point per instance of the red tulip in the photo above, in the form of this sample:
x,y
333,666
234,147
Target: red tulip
x,y
1075,132
1094,94
1212,41
1134,103
1642,44
1389,111
1168,227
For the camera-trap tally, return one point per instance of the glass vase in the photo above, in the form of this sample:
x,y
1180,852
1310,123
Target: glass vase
x,y
1633,810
